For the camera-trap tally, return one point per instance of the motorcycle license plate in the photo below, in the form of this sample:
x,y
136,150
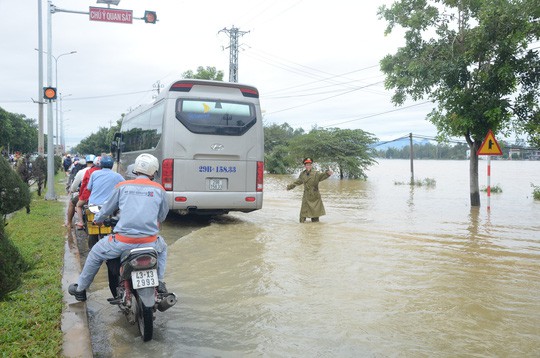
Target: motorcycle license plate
x,y
144,278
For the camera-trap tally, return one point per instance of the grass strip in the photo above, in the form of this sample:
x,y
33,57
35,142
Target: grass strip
x,y
30,319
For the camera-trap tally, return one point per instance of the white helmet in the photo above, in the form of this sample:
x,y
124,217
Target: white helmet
x,y
146,164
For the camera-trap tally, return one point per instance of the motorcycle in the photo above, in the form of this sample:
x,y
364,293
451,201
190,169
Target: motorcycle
x,y
95,232
137,293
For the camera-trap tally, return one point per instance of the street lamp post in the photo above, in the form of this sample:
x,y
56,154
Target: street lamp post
x,y
50,195
56,58
62,139
56,73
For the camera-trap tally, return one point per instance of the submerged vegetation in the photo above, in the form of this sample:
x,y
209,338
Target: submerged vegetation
x,y
536,191
427,182
494,189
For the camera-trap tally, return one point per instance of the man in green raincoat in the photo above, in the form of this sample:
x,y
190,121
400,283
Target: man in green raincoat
x,y
312,205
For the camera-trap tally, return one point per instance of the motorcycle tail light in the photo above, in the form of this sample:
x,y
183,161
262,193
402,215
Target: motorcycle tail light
x,y
143,262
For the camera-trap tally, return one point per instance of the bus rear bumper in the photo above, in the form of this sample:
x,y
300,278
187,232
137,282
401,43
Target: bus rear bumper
x,y
211,203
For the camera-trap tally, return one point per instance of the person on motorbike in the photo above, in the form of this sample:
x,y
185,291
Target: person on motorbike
x,y
84,193
102,182
143,204
73,189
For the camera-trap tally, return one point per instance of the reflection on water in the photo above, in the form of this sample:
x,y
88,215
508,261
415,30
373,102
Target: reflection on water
x,y
392,270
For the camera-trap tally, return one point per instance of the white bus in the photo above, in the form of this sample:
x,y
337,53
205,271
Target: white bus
x,y
208,138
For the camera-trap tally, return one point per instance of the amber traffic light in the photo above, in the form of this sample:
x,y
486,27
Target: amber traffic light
x,y
49,93
150,17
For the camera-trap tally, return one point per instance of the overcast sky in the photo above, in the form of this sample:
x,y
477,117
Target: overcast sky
x,y
314,62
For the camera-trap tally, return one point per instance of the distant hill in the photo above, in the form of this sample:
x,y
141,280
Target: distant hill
x,y
399,144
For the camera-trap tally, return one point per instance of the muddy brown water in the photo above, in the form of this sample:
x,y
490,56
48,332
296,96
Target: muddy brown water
x,y
392,270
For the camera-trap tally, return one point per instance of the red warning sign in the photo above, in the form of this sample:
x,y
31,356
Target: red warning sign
x,y
489,146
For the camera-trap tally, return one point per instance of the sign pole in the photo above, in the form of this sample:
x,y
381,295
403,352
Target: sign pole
x,y
489,147
488,182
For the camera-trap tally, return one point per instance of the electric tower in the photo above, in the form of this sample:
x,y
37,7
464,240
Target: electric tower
x,y
234,33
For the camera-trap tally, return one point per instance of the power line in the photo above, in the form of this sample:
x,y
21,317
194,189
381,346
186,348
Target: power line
x,y
378,114
320,93
324,99
309,71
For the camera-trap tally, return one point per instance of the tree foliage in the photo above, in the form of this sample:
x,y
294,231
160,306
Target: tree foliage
x,y
99,142
14,193
348,150
426,151
277,157
473,60
17,132
208,73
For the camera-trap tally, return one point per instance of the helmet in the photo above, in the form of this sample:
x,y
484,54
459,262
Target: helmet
x,y
97,161
307,161
107,162
90,158
146,164
82,161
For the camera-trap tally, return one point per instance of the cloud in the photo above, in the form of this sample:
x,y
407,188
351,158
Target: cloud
x,y
313,63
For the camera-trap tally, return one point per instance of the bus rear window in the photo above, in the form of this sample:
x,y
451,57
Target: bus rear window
x,y
215,117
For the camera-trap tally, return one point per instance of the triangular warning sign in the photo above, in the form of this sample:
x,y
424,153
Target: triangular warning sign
x,y
489,146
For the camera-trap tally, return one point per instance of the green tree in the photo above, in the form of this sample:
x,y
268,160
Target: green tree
x,y
472,59
208,73
14,193
17,132
277,158
99,142
349,150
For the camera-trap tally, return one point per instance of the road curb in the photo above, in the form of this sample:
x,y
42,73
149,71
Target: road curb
x,y
76,332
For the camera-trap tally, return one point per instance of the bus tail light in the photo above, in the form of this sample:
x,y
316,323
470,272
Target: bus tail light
x,y
249,92
181,86
167,174
260,175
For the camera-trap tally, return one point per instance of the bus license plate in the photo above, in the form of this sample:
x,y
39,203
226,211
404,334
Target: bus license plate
x,y
144,278
216,184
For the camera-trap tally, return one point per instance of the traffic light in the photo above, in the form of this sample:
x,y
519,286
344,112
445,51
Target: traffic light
x,y
150,17
49,93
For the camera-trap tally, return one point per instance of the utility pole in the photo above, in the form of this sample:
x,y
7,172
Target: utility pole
x,y
412,157
234,33
50,195
41,141
157,87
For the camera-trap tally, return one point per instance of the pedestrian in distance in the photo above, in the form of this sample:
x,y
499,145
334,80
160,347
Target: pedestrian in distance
x,y
312,205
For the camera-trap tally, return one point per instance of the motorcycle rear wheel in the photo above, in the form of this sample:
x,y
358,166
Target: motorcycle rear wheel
x,y
145,320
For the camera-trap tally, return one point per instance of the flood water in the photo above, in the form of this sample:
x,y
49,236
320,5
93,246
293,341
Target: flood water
x,y
391,270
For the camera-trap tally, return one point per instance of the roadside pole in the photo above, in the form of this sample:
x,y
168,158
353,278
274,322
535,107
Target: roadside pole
x,y
489,182
96,14
41,148
489,147
51,195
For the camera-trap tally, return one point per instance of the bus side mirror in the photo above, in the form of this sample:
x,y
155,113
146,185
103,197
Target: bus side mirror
x,y
117,145
114,148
